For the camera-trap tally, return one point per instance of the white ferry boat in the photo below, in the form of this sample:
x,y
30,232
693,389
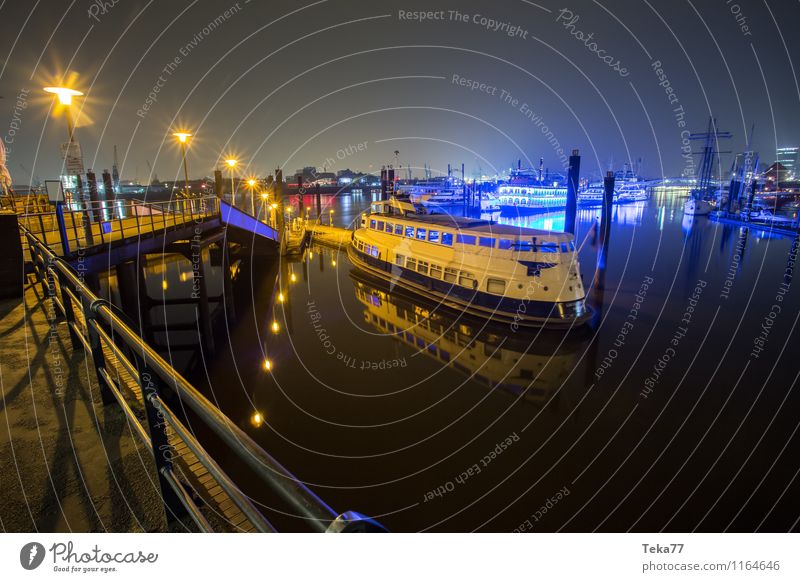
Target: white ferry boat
x,y
696,207
520,276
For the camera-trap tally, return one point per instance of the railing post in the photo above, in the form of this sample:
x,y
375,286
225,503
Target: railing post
x,y
98,357
69,312
163,452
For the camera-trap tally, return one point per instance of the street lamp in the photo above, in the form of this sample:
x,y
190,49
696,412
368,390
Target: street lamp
x,y
232,164
183,137
65,96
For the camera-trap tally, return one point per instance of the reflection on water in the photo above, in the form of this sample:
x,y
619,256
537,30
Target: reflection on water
x,y
376,397
532,365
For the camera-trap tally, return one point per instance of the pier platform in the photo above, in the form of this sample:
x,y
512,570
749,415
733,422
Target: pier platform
x,y
67,463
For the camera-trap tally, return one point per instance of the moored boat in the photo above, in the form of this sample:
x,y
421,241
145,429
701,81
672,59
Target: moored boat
x,y
519,276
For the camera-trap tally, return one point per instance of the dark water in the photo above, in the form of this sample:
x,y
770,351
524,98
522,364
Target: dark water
x,y
660,415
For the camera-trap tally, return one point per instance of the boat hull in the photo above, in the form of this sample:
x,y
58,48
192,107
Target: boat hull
x,y
514,312
522,210
697,207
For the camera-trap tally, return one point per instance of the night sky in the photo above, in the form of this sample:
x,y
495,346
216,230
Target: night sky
x,y
293,84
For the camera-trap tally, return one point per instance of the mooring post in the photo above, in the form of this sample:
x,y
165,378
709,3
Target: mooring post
x,y
573,178
752,195
91,178
279,200
300,191
108,187
608,202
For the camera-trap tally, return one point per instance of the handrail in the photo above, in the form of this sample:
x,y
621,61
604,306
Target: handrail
x,y
106,322
99,222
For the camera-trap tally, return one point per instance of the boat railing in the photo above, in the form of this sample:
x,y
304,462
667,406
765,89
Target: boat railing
x,y
122,359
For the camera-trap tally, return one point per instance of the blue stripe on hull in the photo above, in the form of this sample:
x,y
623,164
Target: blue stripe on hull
x,y
507,210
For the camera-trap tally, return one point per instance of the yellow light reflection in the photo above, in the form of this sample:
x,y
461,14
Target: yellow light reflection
x,y
257,420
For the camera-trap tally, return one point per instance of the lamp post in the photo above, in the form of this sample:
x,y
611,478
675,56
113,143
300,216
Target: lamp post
x,y
232,164
65,95
252,183
183,137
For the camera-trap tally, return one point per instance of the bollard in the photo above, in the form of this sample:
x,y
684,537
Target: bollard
x,y
605,218
109,193
573,178
95,200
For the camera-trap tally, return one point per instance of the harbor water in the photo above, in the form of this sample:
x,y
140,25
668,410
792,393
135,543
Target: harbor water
x,y
671,411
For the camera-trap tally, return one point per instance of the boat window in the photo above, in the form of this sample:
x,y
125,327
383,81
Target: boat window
x,y
571,246
447,238
411,264
398,229
372,223
450,275
421,233
445,356
422,267
505,244
466,280
380,225
436,271
564,248
486,242
399,260
433,236
410,231
548,247
522,245
465,239
389,227
496,286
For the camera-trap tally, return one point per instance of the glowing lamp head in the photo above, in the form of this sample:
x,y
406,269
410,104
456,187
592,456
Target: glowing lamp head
x,y
275,327
251,182
231,163
64,94
267,364
182,136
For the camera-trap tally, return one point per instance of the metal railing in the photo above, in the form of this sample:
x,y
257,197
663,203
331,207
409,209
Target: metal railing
x,y
102,330
77,226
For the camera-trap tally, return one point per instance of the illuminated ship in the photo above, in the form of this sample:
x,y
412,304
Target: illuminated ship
x,y
490,355
516,275
530,191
